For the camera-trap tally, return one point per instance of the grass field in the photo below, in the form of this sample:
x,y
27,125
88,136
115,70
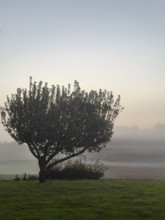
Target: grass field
x,y
83,199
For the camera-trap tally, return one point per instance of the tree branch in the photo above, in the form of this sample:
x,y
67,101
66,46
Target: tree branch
x,y
66,158
32,148
53,154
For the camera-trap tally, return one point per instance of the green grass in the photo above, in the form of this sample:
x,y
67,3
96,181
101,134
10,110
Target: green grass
x,y
82,199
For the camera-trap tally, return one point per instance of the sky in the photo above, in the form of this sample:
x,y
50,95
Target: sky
x,y
116,45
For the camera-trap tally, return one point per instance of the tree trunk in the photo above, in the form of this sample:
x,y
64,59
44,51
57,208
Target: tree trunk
x,y
42,172
42,175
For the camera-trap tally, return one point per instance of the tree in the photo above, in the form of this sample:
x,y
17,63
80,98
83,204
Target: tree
x,y
58,123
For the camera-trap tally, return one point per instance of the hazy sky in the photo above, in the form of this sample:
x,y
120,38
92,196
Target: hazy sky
x,y
118,45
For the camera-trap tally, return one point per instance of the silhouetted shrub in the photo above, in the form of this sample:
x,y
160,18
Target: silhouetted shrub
x,y
32,177
77,170
17,178
24,177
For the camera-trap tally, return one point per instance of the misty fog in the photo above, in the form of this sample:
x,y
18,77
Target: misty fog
x,y
127,145
131,153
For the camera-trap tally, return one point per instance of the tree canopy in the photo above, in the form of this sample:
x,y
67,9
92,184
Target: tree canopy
x,y
59,123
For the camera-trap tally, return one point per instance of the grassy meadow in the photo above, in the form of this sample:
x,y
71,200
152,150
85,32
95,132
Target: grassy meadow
x,y
82,199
